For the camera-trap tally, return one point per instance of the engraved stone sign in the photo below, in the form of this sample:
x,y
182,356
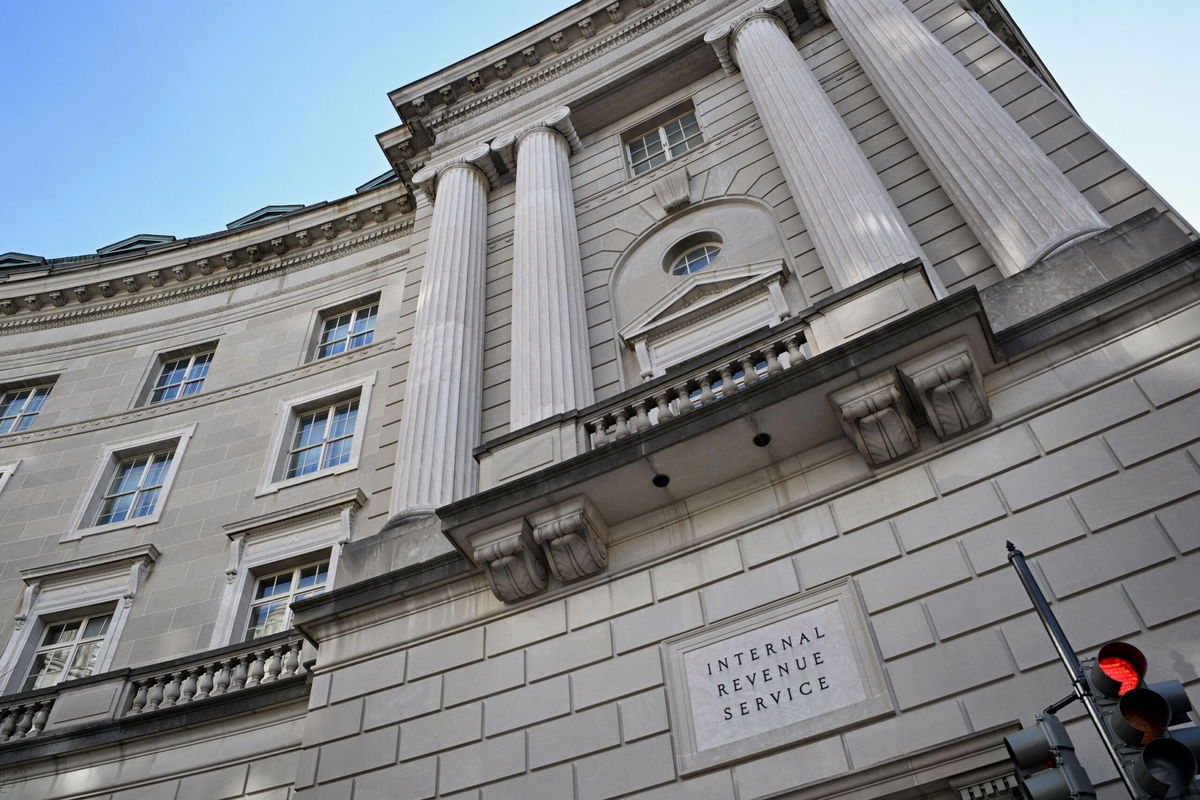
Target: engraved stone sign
x,y
776,676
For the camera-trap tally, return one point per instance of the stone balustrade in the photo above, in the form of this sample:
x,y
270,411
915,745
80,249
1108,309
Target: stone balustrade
x,y
230,673
697,389
25,718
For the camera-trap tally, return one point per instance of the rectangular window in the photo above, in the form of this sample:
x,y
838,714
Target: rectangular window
x,y
323,439
135,487
68,650
181,377
19,407
270,610
346,330
669,140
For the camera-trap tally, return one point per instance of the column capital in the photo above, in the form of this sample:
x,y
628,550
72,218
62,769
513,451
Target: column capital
x,y
478,157
722,36
558,120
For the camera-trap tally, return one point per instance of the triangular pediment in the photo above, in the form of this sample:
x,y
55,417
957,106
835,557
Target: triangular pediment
x,y
12,260
262,215
700,292
139,241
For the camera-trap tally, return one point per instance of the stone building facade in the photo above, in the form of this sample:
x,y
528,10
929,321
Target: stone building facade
x,y
653,429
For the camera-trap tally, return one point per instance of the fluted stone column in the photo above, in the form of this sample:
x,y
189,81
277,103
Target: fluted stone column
x,y
440,421
1011,195
855,226
551,367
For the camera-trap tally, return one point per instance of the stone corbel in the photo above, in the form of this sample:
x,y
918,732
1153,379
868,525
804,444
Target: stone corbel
x,y
531,56
255,252
205,266
479,156
28,601
514,565
558,42
82,293
106,288
229,260
949,388
572,535
57,298
876,416
130,282
615,14
722,36
303,239
506,145
279,245
33,302
155,277
180,271
673,190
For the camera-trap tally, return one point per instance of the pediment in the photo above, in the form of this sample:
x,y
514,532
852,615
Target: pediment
x,y
138,241
262,215
13,260
701,293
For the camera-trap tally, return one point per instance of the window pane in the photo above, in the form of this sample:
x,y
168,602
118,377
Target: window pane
x,y
115,509
84,661
61,633
158,470
311,429
39,397
47,668
24,421
129,475
343,420
145,503
97,626
337,452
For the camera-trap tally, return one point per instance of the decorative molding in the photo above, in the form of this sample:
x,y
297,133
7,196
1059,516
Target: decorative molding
x,y
353,499
1004,787
949,388
513,563
225,281
478,156
876,416
507,144
673,190
572,535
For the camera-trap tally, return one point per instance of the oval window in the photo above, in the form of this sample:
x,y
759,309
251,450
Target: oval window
x,y
695,259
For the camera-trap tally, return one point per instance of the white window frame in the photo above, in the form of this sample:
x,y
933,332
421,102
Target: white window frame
x,y
167,359
287,415
270,543
295,573
87,510
72,647
74,589
6,472
321,316
646,130
32,385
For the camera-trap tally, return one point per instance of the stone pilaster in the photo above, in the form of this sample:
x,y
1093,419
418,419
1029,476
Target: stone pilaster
x,y
1015,200
551,367
855,226
440,420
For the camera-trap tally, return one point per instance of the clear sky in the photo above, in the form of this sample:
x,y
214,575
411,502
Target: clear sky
x,y
143,116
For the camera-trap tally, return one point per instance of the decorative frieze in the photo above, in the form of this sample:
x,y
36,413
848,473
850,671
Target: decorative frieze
x,y
949,388
875,415
513,563
572,536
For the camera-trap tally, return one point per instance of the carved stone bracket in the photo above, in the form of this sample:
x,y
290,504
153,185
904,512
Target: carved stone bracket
x,y
673,190
479,156
506,145
949,388
875,415
722,36
572,535
514,565
1004,787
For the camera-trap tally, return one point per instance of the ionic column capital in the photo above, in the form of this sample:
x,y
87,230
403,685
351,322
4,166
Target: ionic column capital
x,y
723,36
478,157
558,121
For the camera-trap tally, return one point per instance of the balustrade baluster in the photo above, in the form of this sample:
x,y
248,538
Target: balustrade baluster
x,y
171,691
643,415
204,681
664,407
622,426
773,365
750,373
8,723
728,387
792,343
187,687
274,664
24,722
241,672
706,391
221,677
255,675
40,716
155,696
291,661
140,690
599,439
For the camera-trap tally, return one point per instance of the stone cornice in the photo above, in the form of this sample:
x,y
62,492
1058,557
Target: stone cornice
x,y
557,120
189,285
159,410
85,298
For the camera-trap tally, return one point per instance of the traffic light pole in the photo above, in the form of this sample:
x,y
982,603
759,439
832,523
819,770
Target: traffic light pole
x,y
1082,689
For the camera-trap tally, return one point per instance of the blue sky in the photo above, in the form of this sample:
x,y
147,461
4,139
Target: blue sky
x,y
140,116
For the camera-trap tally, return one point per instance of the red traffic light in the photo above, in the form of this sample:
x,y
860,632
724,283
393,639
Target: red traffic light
x,y
1119,669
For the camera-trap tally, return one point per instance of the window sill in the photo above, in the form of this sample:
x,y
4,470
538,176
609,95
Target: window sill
x,y
275,486
135,522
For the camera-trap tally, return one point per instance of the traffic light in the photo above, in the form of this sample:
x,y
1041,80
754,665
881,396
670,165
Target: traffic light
x,y
1139,718
1045,762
